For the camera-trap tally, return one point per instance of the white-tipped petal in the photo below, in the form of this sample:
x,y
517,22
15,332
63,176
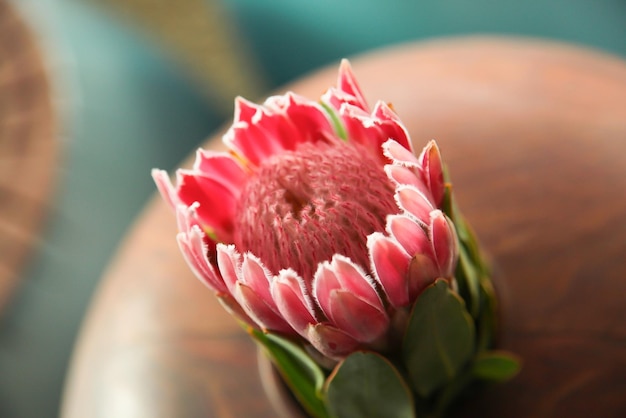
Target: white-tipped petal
x,y
294,304
194,250
404,176
257,308
324,283
414,202
346,82
444,242
229,265
432,169
399,154
165,187
390,264
409,234
255,275
331,341
222,168
355,280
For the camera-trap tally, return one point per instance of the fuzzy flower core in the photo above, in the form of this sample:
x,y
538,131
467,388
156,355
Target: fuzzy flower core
x,y
303,206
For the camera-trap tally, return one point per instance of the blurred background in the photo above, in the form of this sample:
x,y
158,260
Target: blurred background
x,y
94,93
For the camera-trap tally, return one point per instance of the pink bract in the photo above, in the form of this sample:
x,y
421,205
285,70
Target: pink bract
x,y
366,244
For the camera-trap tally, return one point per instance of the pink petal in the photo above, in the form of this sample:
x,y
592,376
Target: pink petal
x,y
335,98
233,308
331,341
373,130
248,283
347,82
244,109
423,272
281,124
309,118
391,125
400,154
256,134
165,187
348,299
187,216
359,125
356,317
289,293
217,203
253,142
194,252
324,282
354,279
414,202
215,182
406,176
390,264
273,124
409,234
444,241
255,275
195,248
432,167
221,168
259,310
229,264
363,129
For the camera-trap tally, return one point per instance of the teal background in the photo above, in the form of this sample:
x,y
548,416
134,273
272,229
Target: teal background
x,y
125,107
290,37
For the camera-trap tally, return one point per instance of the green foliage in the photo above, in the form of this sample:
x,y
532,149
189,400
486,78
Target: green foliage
x,y
468,279
303,376
337,124
367,385
496,366
439,340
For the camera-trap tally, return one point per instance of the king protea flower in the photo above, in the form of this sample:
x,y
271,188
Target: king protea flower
x,y
319,223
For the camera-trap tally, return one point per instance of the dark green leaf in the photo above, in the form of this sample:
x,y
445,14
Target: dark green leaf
x,y
301,374
367,385
488,320
439,340
496,366
471,281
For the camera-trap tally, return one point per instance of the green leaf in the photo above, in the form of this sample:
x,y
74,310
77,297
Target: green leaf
x,y
470,268
303,376
496,366
339,129
439,340
367,385
487,322
469,281
447,203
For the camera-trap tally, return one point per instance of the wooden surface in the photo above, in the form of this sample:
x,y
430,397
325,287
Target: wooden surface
x,y
28,147
535,137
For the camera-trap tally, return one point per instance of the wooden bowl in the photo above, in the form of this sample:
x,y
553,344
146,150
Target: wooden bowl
x,y
534,134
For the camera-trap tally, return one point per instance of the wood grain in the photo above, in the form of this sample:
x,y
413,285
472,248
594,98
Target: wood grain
x,y
534,134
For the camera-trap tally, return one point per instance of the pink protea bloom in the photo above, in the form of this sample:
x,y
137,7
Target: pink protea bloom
x,y
320,223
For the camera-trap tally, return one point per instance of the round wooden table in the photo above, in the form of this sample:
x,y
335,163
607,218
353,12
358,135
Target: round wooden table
x,y
534,134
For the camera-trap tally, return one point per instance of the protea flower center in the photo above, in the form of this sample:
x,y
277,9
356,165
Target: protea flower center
x,y
304,206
